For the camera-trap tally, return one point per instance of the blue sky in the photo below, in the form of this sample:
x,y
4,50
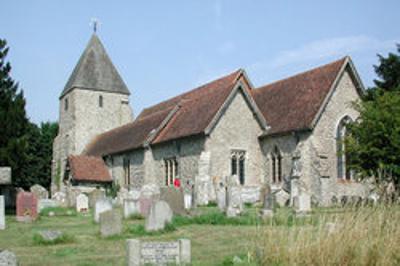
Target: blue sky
x,y
163,48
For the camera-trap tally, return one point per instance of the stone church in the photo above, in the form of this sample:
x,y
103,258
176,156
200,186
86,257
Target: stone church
x,y
287,134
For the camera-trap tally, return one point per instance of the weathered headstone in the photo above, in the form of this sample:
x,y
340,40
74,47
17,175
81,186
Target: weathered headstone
x,y
96,195
302,203
174,197
39,191
47,203
221,196
131,207
61,198
158,253
160,215
5,175
110,223
8,258
203,184
82,203
101,205
2,214
26,207
145,205
282,198
235,203
188,190
269,205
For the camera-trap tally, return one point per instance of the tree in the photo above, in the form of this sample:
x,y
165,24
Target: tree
x,y
388,71
13,122
374,141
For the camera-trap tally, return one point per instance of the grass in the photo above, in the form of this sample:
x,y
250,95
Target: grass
x,y
58,211
139,230
352,236
364,236
39,240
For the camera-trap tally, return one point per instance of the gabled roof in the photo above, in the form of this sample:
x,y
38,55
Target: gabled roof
x,y
185,115
88,169
293,104
95,71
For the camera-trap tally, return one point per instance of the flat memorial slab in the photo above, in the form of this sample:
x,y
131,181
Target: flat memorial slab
x,y
158,253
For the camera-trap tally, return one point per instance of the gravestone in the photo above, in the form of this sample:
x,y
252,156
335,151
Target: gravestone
x,y
5,175
8,258
251,194
234,204
82,203
269,205
160,215
175,199
131,207
302,203
47,203
282,198
145,205
203,184
39,191
158,253
221,196
188,194
2,214
61,198
26,207
96,195
110,223
101,205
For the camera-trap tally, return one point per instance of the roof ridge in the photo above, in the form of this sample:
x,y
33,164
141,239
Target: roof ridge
x,y
301,73
180,96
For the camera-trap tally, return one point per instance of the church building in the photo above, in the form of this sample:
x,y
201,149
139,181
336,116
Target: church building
x,y
288,134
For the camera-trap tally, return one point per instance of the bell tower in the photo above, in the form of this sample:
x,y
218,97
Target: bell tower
x,y
94,100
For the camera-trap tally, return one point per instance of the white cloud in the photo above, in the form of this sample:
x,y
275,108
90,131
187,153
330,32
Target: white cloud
x,y
328,48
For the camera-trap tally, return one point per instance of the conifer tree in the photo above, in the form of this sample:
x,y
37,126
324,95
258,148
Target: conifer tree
x,y
13,122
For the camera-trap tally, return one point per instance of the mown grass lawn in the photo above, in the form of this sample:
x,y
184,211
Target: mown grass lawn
x,y
211,244
284,240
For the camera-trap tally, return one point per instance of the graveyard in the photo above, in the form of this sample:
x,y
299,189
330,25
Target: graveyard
x,y
217,239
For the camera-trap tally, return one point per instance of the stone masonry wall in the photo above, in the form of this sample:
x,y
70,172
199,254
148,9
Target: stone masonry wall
x,y
321,166
85,119
187,151
237,129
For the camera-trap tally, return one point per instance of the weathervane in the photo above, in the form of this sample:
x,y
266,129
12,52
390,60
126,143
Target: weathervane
x,y
94,23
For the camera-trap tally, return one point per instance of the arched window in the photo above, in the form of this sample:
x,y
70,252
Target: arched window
x,y
238,164
276,165
101,101
343,170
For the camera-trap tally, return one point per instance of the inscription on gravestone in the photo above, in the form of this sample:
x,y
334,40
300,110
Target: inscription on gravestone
x,y
158,253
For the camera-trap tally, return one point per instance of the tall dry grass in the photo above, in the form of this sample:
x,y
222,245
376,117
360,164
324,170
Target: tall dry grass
x,y
362,236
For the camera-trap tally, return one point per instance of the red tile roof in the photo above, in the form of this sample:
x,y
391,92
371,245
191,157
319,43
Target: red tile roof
x,y
292,104
196,108
88,168
287,105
